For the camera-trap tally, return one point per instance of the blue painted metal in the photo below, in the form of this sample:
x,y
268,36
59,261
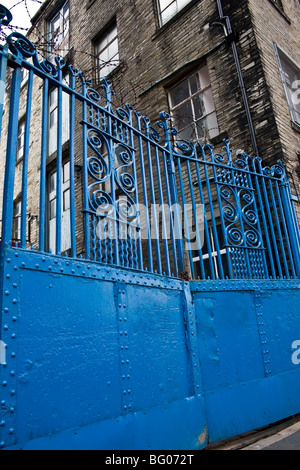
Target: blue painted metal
x,y
113,351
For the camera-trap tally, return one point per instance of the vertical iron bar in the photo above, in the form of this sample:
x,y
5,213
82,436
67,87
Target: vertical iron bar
x,y
59,167
25,161
85,176
267,206
136,198
214,227
282,216
145,197
190,255
170,214
222,221
3,69
278,229
153,207
195,218
266,231
206,229
72,166
11,152
44,146
161,201
292,225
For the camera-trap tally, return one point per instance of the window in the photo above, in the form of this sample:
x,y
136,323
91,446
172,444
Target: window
x,y
52,118
290,74
59,31
169,8
20,141
65,208
107,53
16,235
192,107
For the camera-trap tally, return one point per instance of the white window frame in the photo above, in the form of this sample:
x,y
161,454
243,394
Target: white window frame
x,y
58,29
20,140
107,52
169,8
292,89
204,93
52,117
65,208
17,222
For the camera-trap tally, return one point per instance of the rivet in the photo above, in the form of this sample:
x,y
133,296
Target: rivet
x,y
6,292
15,284
12,410
7,276
13,354
6,310
8,260
5,327
13,392
14,301
11,431
2,444
12,373
4,383
13,336
14,318
2,423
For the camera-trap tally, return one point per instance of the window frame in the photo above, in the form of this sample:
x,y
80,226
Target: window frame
x,y
200,92
103,38
20,149
53,46
178,8
282,57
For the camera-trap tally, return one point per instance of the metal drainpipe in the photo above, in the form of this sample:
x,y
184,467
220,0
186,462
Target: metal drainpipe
x,y
228,31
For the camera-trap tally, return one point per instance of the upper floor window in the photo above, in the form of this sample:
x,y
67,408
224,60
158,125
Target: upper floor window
x,y
59,31
192,107
290,74
169,8
107,52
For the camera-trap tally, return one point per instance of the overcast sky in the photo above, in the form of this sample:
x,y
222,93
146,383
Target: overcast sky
x,y
19,11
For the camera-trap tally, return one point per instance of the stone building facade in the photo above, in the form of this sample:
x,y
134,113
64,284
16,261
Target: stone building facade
x,y
223,70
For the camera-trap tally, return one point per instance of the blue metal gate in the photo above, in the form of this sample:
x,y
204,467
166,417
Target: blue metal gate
x,y
147,213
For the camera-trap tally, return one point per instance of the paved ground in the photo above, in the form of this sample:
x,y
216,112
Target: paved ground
x,y
284,435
